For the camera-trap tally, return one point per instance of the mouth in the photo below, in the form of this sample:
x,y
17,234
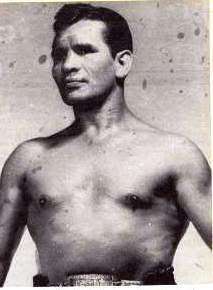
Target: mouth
x,y
73,83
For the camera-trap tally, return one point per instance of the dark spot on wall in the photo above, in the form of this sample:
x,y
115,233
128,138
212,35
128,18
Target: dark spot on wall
x,y
180,91
206,95
144,84
196,13
65,117
198,265
202,59
34,170
141,23
158,4
42,58
171,70
197,31
3,42
11,64
180,35
41,129
171,60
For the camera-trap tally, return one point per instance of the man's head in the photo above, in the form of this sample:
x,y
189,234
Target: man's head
x,y
91,52
117,34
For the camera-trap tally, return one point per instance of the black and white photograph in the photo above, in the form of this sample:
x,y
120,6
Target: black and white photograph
x,y
105,143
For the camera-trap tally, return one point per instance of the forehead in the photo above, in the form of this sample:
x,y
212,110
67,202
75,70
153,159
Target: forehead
x,y
84,31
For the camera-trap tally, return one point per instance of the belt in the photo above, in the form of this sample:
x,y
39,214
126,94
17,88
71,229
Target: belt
x,y
157,276
95,280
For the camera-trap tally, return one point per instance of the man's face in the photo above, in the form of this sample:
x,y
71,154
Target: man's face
x,y
83,66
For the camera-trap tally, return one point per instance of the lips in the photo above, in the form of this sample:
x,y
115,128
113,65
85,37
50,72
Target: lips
x,y
73,83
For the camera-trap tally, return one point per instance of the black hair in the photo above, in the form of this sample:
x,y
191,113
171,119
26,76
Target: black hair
x,y
117,35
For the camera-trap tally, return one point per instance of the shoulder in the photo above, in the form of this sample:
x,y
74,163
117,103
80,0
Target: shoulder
x,y
25,153
181,154
185,152
28,149
189,157
188,161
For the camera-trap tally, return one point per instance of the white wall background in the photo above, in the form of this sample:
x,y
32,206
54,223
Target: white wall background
x,y
168,87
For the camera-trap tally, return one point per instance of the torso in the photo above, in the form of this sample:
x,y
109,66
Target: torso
x,y
107,207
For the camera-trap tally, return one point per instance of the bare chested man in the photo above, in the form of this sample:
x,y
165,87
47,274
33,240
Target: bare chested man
x,y
108,199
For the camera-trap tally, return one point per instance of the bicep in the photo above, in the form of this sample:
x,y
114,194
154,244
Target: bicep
x,y
12,221
194,193
13,212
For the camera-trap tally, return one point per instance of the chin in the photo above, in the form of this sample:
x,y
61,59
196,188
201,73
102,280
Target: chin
x,y
82,101
73,98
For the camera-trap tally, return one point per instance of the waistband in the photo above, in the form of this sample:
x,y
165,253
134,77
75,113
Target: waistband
x,y
96,280
157,276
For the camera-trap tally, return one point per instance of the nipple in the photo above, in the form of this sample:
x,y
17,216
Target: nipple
x,y
136,202
133,201
134,198
42,201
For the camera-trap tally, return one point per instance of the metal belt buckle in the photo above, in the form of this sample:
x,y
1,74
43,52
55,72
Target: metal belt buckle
x,y
131,282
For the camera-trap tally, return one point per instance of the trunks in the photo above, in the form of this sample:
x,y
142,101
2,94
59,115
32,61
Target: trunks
x,y
157,276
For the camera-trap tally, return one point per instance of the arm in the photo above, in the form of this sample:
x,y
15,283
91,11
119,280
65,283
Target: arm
x,y
194,190
13,211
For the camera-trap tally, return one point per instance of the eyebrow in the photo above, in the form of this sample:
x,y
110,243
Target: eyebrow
x,y
62,48
88,46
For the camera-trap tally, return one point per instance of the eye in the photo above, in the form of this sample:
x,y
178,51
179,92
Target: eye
x,y
84,49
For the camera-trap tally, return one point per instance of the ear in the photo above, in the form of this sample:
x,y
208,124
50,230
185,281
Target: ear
x,y
123,63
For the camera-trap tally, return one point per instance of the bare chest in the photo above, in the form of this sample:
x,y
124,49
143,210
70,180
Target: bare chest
x,y
90,177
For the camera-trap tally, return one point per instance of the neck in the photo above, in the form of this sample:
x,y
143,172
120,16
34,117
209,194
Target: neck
x,y
95,119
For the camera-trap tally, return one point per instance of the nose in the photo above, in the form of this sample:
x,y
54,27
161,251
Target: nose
x,y
71,62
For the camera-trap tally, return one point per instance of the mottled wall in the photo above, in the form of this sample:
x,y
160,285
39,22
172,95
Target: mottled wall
x,y
168,87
